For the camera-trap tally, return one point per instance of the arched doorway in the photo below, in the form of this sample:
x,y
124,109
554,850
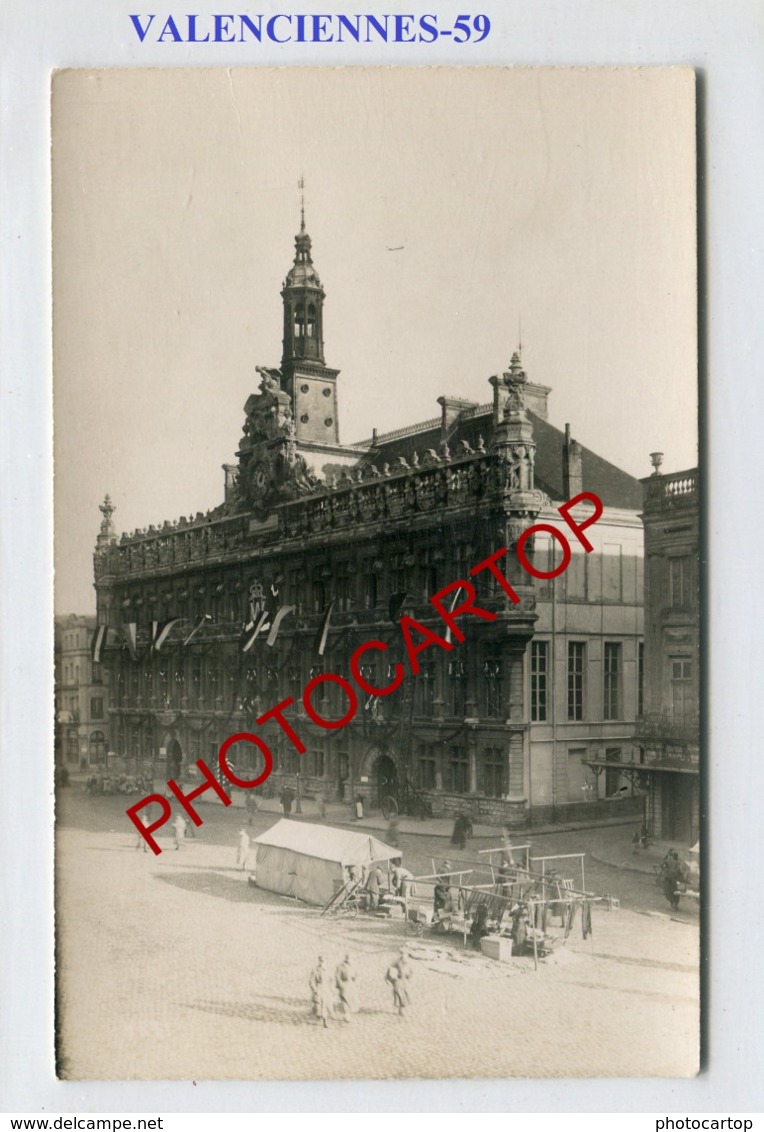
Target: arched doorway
x,y
174,758
385,778
97,748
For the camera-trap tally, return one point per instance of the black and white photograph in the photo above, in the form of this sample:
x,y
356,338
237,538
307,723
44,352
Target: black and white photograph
x,y
377,620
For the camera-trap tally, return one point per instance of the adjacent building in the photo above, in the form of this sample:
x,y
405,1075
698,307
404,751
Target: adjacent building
x,y
319,546
668,730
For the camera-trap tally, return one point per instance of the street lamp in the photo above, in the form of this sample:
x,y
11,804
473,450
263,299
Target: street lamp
x,y
297,805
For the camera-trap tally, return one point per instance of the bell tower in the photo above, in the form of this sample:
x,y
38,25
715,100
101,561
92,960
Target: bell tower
x,y
311,385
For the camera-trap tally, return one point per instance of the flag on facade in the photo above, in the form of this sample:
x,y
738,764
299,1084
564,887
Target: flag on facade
x,y
202,620
447,636
323,630
395,606
130,629
160,631
99,640
253,630
283,612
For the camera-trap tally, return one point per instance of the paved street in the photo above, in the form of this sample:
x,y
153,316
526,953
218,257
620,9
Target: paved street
x,y
173,966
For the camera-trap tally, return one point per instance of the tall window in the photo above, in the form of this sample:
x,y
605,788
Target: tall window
x,y
72,747
575,576
295,684
640,678
494,778
319,594
539,676
369,584
97,745
544,560
679,581
398,574
493,687
612,681
342,584
458,770
425,687
425,767
316,762
96,707
681,688
430,576
296,590
576,667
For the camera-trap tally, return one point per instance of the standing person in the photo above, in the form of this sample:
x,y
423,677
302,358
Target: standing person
x,y
372,887
286,801
459,836
358,807
320,992
401,880
344,980
141,840
179,825
398,976
441,894
242,852
672,878
321,805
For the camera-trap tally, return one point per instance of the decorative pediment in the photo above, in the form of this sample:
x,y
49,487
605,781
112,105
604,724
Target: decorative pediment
x,y
268,414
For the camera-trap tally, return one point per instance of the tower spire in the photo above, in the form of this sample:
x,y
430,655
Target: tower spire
x,y
301,187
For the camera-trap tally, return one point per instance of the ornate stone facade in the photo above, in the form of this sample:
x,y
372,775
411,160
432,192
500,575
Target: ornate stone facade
x,y
311,526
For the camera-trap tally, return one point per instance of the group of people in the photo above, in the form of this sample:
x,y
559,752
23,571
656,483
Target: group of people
x,y
398,882
335,996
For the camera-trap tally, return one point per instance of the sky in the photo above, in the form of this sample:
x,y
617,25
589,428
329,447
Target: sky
x,y
553,204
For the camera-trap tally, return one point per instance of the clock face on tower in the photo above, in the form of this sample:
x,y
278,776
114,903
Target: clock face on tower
x,y
260,476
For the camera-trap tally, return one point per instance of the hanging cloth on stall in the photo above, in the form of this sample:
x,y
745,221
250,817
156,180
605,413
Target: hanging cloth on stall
x,y
586,919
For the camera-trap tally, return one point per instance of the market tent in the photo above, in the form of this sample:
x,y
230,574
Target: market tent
x,y
308,861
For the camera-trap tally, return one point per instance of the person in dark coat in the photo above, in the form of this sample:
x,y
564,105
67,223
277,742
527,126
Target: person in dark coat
x,y
459,836
398,976
672,878
373,885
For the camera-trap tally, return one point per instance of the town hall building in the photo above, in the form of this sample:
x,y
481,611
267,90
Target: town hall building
x,y
208,621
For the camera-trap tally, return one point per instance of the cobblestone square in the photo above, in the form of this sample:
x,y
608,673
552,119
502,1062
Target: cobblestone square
x,y
175,967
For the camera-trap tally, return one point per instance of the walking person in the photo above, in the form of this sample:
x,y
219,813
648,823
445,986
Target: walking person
x,y
344,980
373,886
179,825
321,992
459,836
242,852
673,876
398,975
141,840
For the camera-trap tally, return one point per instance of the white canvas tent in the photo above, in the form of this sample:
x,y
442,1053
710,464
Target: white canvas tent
x,y
308,861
